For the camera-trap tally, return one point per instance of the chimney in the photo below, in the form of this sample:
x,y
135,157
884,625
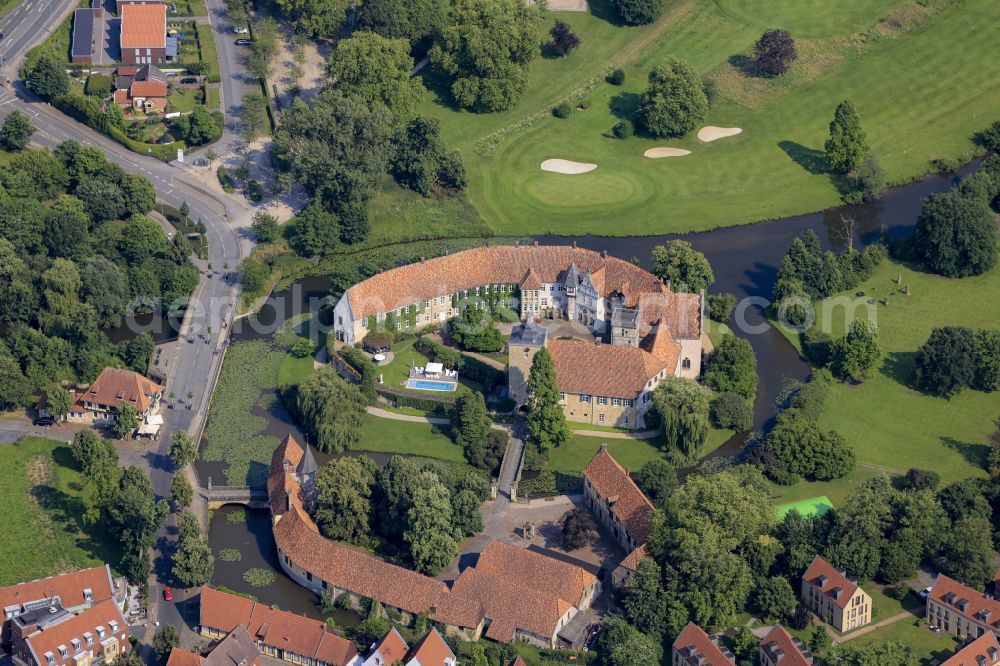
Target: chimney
x,y
421,260
535,243
597,343
446,253
604,447
574,245
604,254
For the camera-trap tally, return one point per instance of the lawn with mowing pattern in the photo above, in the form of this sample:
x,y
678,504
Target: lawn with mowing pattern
x,y
382,435
574,455
937,97
41,495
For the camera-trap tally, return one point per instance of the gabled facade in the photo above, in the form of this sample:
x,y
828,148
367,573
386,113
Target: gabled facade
x,y
780,648
430,650
390,650
694,647
236,649
834,597
49,635
99,403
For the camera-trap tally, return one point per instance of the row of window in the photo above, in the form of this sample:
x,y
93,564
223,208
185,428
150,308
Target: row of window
x,y
601,400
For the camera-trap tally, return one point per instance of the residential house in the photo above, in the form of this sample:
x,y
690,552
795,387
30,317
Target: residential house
x,y
88,34
143,37
74,592
960,610
694,647
619,504
236,649
835,597
142,89
389,650
277,633
99,403
780,648
430,650
984,651
517,662
120,3
47,634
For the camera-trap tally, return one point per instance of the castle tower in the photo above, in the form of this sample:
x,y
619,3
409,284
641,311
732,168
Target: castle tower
x,y
524,343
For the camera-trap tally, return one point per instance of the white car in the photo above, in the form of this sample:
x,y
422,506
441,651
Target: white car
x,y
241,31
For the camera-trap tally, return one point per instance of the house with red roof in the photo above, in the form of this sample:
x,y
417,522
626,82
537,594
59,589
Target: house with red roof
x,y
430,650
99,403
835,597
983,651
780,648
236,649
390,649
143,35
693,647
47,634
960,610
143,89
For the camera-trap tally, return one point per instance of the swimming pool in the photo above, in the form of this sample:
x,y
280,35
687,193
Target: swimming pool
x,y
430,386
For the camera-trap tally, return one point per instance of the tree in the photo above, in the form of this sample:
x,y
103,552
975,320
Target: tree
x,y
774,52
315,232
873,654
143,238
734,504
819,640
102,200
377,70
330,410
139,194
127,420
682,406
135,517
473,329
343,500
485,51
193,560
804,449
621,644
166,639
638,12
98,462
58,402
48,79
731,411
16,131
253,275
104,285
956,235
469,423
546,420
945,364
775,599
720,307
465,514
181,491
682,266
183,449
987,343
862,521
645,601
130,658
675,102
919,479
316,18
421,162
430,531
488,453
658,480
396,483
871,179
855,356
847,144
733,368
253,116
577,529
203,127
564,39
265,226
968,551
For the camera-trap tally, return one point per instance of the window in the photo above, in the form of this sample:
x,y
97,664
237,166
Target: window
x,y
76,644
600,417
89,637
101,632
628,402
602,400
88,594
562,397
340,320
399,325
584,397
616,402
114,625
686,364
63,652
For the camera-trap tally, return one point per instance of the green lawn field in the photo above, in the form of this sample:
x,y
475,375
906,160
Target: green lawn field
x,y
41,497
395,374
573,456
924,82
927,646
419,439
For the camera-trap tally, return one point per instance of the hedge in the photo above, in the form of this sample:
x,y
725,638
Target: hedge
x,y
364,366
439,406
469,367
88,112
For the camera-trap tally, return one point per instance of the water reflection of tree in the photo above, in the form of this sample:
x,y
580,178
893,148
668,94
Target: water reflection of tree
x,y
865,222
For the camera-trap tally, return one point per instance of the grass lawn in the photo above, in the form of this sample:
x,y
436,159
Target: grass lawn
x,y
573,456
418,439
892,425
182,100
55,46
395,374
927,646
836,491
774,168
214,101
209,54
41,497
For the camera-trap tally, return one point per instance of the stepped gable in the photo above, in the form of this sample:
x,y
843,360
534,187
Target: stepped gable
x,y
525,567
505,264
613,482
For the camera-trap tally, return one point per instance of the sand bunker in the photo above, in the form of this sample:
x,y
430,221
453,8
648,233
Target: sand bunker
x,y
566,166
711,132
656,153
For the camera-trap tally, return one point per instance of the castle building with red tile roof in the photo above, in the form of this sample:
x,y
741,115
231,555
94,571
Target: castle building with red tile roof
x,y
780,648
960,610
626,512
693,647
511,593
983,651
277,633
73,592
654,332
835,597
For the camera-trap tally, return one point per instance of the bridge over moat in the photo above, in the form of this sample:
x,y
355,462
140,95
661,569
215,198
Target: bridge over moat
x,y
252,497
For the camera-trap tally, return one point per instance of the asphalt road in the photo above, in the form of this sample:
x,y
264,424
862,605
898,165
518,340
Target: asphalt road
x,y
225,217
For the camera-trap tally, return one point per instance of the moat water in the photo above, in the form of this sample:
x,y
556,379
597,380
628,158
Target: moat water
x,y
745,262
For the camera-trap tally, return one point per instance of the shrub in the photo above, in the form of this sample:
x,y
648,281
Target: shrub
x,y
198,68
638,12
583,104
564,39
563,110
255,191
733,368
774,52
543,484
945,364
622,130
817,346
302,348
720,306
226,179
920,479
732,412
616,77
98,85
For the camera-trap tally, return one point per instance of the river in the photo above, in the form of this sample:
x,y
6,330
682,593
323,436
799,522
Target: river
x,y
745,262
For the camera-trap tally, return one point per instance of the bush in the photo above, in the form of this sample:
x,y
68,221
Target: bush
x,y
98,85
733,368
817,347
920,479
564,39
617,77
437,406
563,110
198,68
226,180
365,367
731,411
622,130
255,192
720,306
774,52
638,12
543,484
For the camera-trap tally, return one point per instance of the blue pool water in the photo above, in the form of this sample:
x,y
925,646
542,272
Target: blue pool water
x,y
430,386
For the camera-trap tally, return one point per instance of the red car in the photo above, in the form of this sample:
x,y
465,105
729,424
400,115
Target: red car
x,y
168,594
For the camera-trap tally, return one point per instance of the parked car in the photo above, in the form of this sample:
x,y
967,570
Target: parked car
x,y
168,594
924,593
45,421
241,30
243,41
189,80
